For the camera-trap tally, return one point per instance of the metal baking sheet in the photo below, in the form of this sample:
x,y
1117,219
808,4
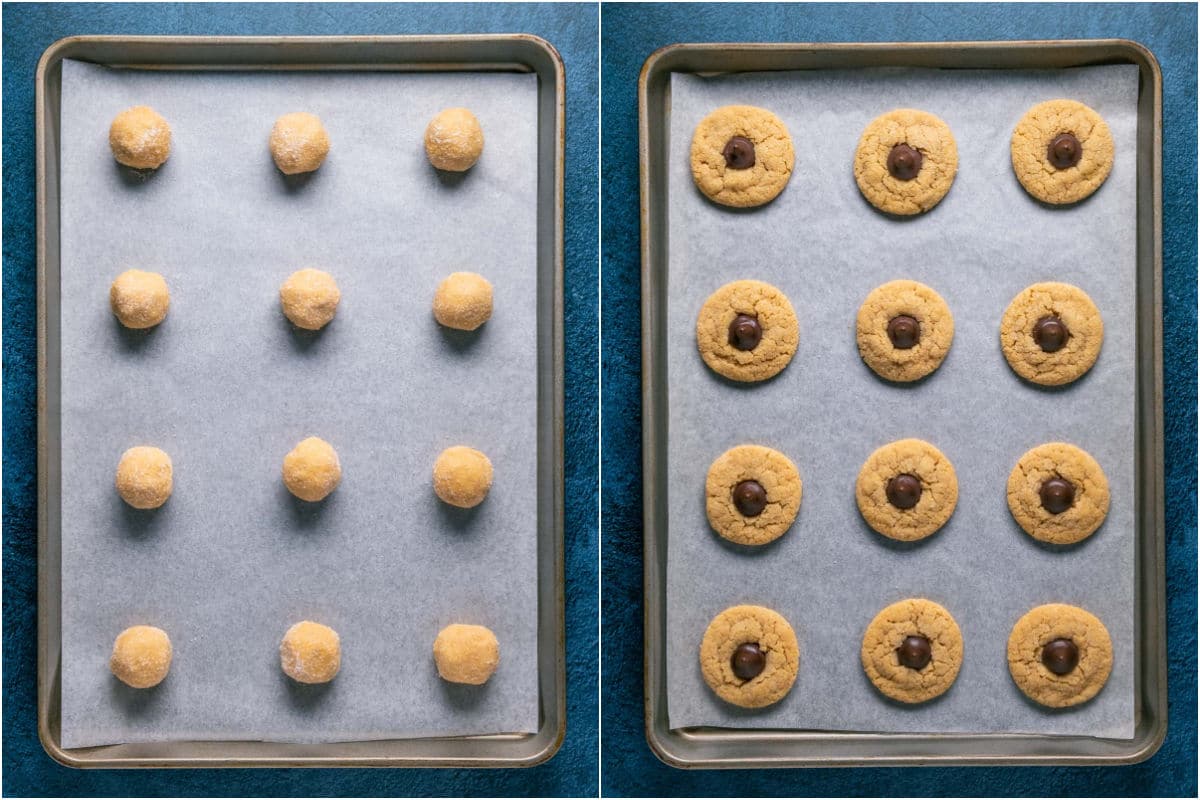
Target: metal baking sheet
x,y
830,574
400,550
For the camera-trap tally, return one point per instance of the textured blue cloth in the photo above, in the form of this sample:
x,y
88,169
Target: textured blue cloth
x,y
630,33
28,30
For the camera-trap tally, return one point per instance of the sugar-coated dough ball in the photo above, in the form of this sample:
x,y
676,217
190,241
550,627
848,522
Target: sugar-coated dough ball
x,y
144,477
466,654
454,140
299,143
462,476
140,138
310,653
139,299
312,470
141,656
463,301
310,298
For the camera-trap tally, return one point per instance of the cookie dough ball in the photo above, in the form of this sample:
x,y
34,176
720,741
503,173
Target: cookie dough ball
x,y
140,138
144,477
1058,493
462,476
466,654
1059,655
906,161
310,653
299,143
1051,333
454,140
463,301
749,656
907,490
309,298
139,299
1062,151
141,656
312,470
912,650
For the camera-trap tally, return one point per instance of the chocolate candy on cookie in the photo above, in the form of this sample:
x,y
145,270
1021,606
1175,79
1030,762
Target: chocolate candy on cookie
x,y
905,162
752,494
1062,151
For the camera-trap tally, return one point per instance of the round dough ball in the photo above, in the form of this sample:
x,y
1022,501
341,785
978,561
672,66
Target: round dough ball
x,y
139,299
310,298
312,470
310,653
454,140
299,143
140,138
144,477
141,656
463,301
462,476
466,654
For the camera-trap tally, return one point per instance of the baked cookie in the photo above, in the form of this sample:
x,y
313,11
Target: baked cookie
x,y
749,656
741,156
906,490
904,330
752,494
1061,151
906,161
912,650
1058,493
1059,655
1051,333
747,331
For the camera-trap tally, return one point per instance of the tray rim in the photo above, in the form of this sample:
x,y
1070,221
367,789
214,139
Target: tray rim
x,y
552,728
677,747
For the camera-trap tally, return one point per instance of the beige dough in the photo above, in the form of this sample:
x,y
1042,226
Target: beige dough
x,y
310,298
466,654
463,301
310,653
454,140
299,143
140,138
139,299
462,476
141,656
144,477
312,470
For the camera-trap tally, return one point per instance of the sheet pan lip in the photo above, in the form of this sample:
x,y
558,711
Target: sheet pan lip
x,y
662,743
50,58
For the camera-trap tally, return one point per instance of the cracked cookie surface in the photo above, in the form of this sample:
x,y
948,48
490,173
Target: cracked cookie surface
x,y
1075,310
774,157
924,133
779,330
1031,141
919,302
1046,624
937,499
774,473
775,638
1089,487
885,636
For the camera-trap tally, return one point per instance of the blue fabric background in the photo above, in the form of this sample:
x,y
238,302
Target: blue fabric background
x,y
630,33
28,30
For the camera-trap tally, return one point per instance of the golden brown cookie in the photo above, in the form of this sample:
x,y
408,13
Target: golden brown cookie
x,y
1058,493
904,330
906,490
752,494
1051,333
912,650
747,331
1059,655
906,161
1061,151
741,156
749,656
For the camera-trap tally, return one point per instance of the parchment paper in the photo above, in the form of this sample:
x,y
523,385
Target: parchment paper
x,y
227,387
826,248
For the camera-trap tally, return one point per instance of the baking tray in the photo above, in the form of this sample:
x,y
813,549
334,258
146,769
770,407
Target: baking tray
x,y
508,52
710,747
